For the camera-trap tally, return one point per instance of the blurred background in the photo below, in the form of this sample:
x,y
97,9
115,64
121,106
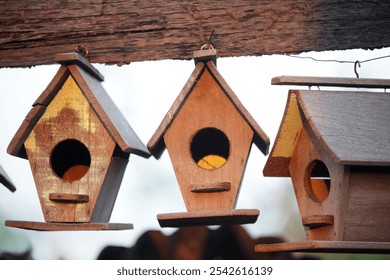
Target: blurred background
x,y
144,92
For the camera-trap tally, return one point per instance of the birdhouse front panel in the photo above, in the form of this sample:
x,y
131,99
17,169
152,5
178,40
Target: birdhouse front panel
x,y
69,151
318,184
208,143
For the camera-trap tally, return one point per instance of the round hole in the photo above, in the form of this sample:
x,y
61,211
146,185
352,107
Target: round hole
x,y
210,148
70,160
318,181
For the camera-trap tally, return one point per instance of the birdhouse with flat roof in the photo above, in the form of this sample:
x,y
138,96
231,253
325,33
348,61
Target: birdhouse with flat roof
x,y
78,145
335,146
208,134
6,181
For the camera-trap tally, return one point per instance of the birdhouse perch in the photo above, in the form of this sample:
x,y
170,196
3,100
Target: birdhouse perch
x,y
78,144
208,134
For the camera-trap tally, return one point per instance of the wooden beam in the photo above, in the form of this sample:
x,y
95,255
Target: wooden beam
x,y
330,82
123,31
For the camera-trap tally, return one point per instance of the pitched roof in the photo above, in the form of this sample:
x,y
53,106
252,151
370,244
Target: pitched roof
x,y
5,180
353,127
156,144
89,80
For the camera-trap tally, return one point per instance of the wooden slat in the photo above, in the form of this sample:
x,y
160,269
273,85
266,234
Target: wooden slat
x,y
326,247
39,226
68,198
205,218
314,221
211,187
330,82
122,31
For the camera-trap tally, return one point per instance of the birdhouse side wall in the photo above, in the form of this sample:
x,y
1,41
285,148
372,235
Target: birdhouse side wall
x,y
68,117
368,208
207,106
316,215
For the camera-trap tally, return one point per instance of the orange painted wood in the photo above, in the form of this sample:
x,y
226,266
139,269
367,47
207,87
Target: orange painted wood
x,y
330,82
212,108
123,31
68,198
215,217
327,247
67,226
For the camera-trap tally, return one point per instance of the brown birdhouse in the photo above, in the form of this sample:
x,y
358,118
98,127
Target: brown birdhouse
x,y
335,146
208,134
6,181
78,145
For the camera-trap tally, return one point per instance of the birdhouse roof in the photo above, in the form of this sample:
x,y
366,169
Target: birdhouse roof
x,y
156,144
352,127
5,180
89,81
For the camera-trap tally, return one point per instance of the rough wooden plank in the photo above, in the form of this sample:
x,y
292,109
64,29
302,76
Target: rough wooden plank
x,y
39,226
206,218
331,82
122,31
327,247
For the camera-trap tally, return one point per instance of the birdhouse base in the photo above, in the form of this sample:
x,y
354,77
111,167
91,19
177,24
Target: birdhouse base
x,y
207,218
39,226
326,247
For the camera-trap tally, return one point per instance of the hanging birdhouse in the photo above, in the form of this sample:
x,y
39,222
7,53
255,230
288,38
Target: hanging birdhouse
x,y
78,145
208,135
335,146
6,181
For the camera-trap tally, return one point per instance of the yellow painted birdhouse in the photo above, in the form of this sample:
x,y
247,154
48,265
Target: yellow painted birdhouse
x,y
6,181
78,144
335,146
208,134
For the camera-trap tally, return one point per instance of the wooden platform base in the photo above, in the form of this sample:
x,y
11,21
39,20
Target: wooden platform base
x,y
39,226
207,218
327,247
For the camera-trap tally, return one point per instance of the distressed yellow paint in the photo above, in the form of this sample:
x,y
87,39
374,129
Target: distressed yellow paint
x,y
211,162
289,132
71,97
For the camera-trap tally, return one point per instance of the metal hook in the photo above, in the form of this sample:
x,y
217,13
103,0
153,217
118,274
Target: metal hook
x,y
208,44
357,63
82,50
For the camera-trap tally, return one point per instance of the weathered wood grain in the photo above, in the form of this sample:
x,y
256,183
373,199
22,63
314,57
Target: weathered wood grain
x,y
122,31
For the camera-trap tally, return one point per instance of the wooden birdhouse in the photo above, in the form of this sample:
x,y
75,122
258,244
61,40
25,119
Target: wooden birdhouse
x,y
6,181
208,134
78,145
335,146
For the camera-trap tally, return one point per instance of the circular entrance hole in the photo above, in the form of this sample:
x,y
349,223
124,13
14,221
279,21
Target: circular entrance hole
x,y
210,148
70,160
317,180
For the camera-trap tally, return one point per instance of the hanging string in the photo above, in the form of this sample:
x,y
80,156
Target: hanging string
x,y
339,61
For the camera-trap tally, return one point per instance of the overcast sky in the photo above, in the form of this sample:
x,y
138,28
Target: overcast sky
x,y
144,92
